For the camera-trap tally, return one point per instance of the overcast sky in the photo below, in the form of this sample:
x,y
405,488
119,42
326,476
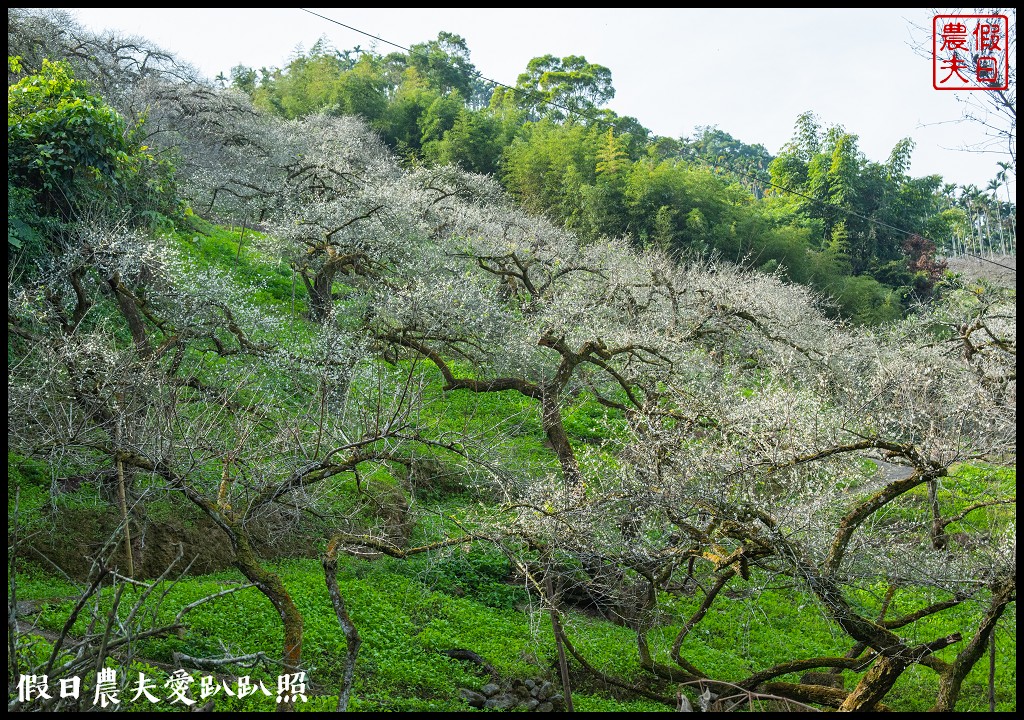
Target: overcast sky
x,y
750,72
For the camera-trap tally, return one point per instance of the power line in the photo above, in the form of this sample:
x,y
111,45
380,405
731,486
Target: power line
x,y
582,114
476,73
983,259
858,215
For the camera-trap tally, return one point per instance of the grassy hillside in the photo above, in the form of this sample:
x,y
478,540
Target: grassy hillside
x,y
297,420
461,597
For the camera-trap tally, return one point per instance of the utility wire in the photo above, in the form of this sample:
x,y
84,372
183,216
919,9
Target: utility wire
x,y
536,100
754,178
984,259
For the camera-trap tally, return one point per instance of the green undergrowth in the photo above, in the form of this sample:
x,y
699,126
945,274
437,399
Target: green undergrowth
x,y
409,611
466,596
972,490
405,624
206,246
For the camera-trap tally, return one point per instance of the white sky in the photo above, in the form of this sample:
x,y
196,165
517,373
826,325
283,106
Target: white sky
x,y
750,72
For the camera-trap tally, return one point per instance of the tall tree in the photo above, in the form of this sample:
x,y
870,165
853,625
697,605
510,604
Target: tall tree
x,y
445,64
568,88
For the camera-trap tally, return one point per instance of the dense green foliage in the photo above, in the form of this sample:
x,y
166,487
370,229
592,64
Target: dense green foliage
x,y
70,154
820,212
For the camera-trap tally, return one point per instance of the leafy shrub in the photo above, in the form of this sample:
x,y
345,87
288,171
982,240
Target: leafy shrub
x,y
73,153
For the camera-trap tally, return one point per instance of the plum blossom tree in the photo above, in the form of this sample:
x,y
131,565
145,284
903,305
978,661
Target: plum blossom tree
x,y
751,466
131,358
